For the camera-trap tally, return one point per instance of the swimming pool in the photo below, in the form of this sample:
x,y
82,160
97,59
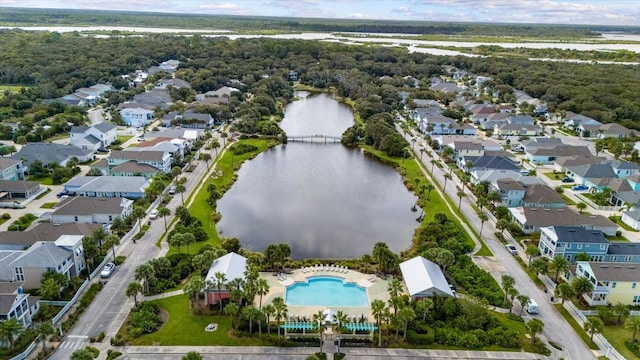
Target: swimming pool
x,y
326,291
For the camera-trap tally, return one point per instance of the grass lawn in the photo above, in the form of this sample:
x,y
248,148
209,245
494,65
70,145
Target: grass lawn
x,y
201,209
578,329
617,238
44,180
3,220
553,176
48,205
618,220
124,138
616,335
568,200
183,329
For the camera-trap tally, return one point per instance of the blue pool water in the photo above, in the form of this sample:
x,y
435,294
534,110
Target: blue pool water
x,y
326,291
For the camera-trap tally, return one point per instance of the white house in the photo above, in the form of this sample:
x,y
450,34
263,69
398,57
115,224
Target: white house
x,y
632,218
136,114
16,304
92,210
233,266
424,278
131,187
11,169
93,137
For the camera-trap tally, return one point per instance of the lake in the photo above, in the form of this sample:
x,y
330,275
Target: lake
x,y
324,200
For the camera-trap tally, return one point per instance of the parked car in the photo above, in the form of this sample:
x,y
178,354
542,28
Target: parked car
x,y
153,214
512,249
107,270
567,180
172,190
580,188
531,306
65,193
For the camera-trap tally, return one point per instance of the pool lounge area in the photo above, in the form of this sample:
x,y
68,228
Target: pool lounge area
x,y
311,289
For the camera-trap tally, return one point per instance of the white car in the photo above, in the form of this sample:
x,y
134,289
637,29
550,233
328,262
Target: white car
x,y
512,249
153,214
107,270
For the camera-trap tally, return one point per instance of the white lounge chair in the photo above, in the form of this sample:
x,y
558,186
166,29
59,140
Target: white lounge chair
x,y
345,270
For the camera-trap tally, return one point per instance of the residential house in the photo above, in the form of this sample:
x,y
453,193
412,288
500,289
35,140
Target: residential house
x,y
491,176
174,83
521,119
625,169
188,119
413,81
516,130
567,242
562,163
622,198
531,219
93,137
538,142
188,135
136,114
573,120
612,282
131,187
19,189
492,120
29,265
169,66
158,159
611,174
424,278
432,121
554,117
542,196
447,88
221,95
627,252
73,243
91,210
486,163
632,217
466,148
547,155
588,130
73,100
423,103
175,147
480,115
232,266
16,304
49,153
613,130
448,140
511,191
156,98
11,169
133,168
46,231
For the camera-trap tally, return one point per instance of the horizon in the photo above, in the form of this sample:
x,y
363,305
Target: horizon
x,y
513,12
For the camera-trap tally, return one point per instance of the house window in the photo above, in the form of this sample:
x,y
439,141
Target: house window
x,y
579,246
19,274
602,246
75,218
568,246
627,258
613,285
614,258
636,299
633,285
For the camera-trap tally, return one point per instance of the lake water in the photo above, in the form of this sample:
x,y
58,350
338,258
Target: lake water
x,y
324,200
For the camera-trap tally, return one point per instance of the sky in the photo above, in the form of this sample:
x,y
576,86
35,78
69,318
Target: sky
x,y
593,12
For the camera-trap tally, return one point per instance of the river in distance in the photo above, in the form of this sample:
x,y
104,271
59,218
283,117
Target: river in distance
x,y
323,199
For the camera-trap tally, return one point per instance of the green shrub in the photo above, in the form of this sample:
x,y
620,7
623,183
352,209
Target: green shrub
x,y
111,354
420,339
6,216
118,340
93,351
242,148
633,347
120,259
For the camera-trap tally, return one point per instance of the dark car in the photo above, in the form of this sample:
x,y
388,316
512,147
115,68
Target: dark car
x,y
65,193
567,180
580,188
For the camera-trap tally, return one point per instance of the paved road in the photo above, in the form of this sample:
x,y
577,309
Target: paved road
x,y
110,307
556,328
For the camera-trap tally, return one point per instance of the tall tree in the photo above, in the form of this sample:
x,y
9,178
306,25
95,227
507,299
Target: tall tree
x,y
193,288
181,189
581,285
621,311
508,282
262,289
9,329
138,214
395,287
340,319
534,326
318,318
564,292
377,308
531,251
460,195
111,241
593,326
522,299
164,212
145,273
406,315
268,311
446,178
250,313
483,218
98,235
133,289
424,306
43,330
632,323
221,280
558,266
280,311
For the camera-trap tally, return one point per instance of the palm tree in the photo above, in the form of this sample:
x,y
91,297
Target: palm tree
x,y
564,291
43,330
318,318
145,272
558,265
117,225
268,310
177,240
460,194
581,285
494,197
133,289
164,212
512,292
483,218
215,144
223,136
632,323
180,189
98,235
395,287
82,354
507,283
250,312
433,163
49,289
340,318
446,177
377,308
111,241
175,172
188,239
429,187
406,314
193,289
280,311
531,251
221,279
621,310
502,225
137,214
262,288
522,299
581,206
9,329
592,326
534,326
424,306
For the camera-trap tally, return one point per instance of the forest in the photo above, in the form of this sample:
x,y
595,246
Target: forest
x,y
52,64
32,17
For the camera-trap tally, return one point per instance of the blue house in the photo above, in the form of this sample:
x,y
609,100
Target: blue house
x,y
569,241
623,252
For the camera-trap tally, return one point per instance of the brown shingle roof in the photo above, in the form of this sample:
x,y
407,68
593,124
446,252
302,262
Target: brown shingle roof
x,y
138,155
20,185
84,205
152,142
615,271
45,232
134,167
542,194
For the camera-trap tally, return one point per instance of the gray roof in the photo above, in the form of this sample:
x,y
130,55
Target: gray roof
x,y
104,126
446,87
517,126
137,155
10,287
135,105
46,232
631,197
174,132
509,184
424,277
613,128
559,150
491,162
615,271
92,139
624,165
5,162
467,145
232,265
105,184
18,185
634,214
540,141
521,119
49,153
593,171
42,254
84,205
579,160
542,194
620,248
577,234
79,129
494,175
560,217
134,167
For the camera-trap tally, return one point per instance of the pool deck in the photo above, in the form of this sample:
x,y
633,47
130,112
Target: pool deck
x,y
376,290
